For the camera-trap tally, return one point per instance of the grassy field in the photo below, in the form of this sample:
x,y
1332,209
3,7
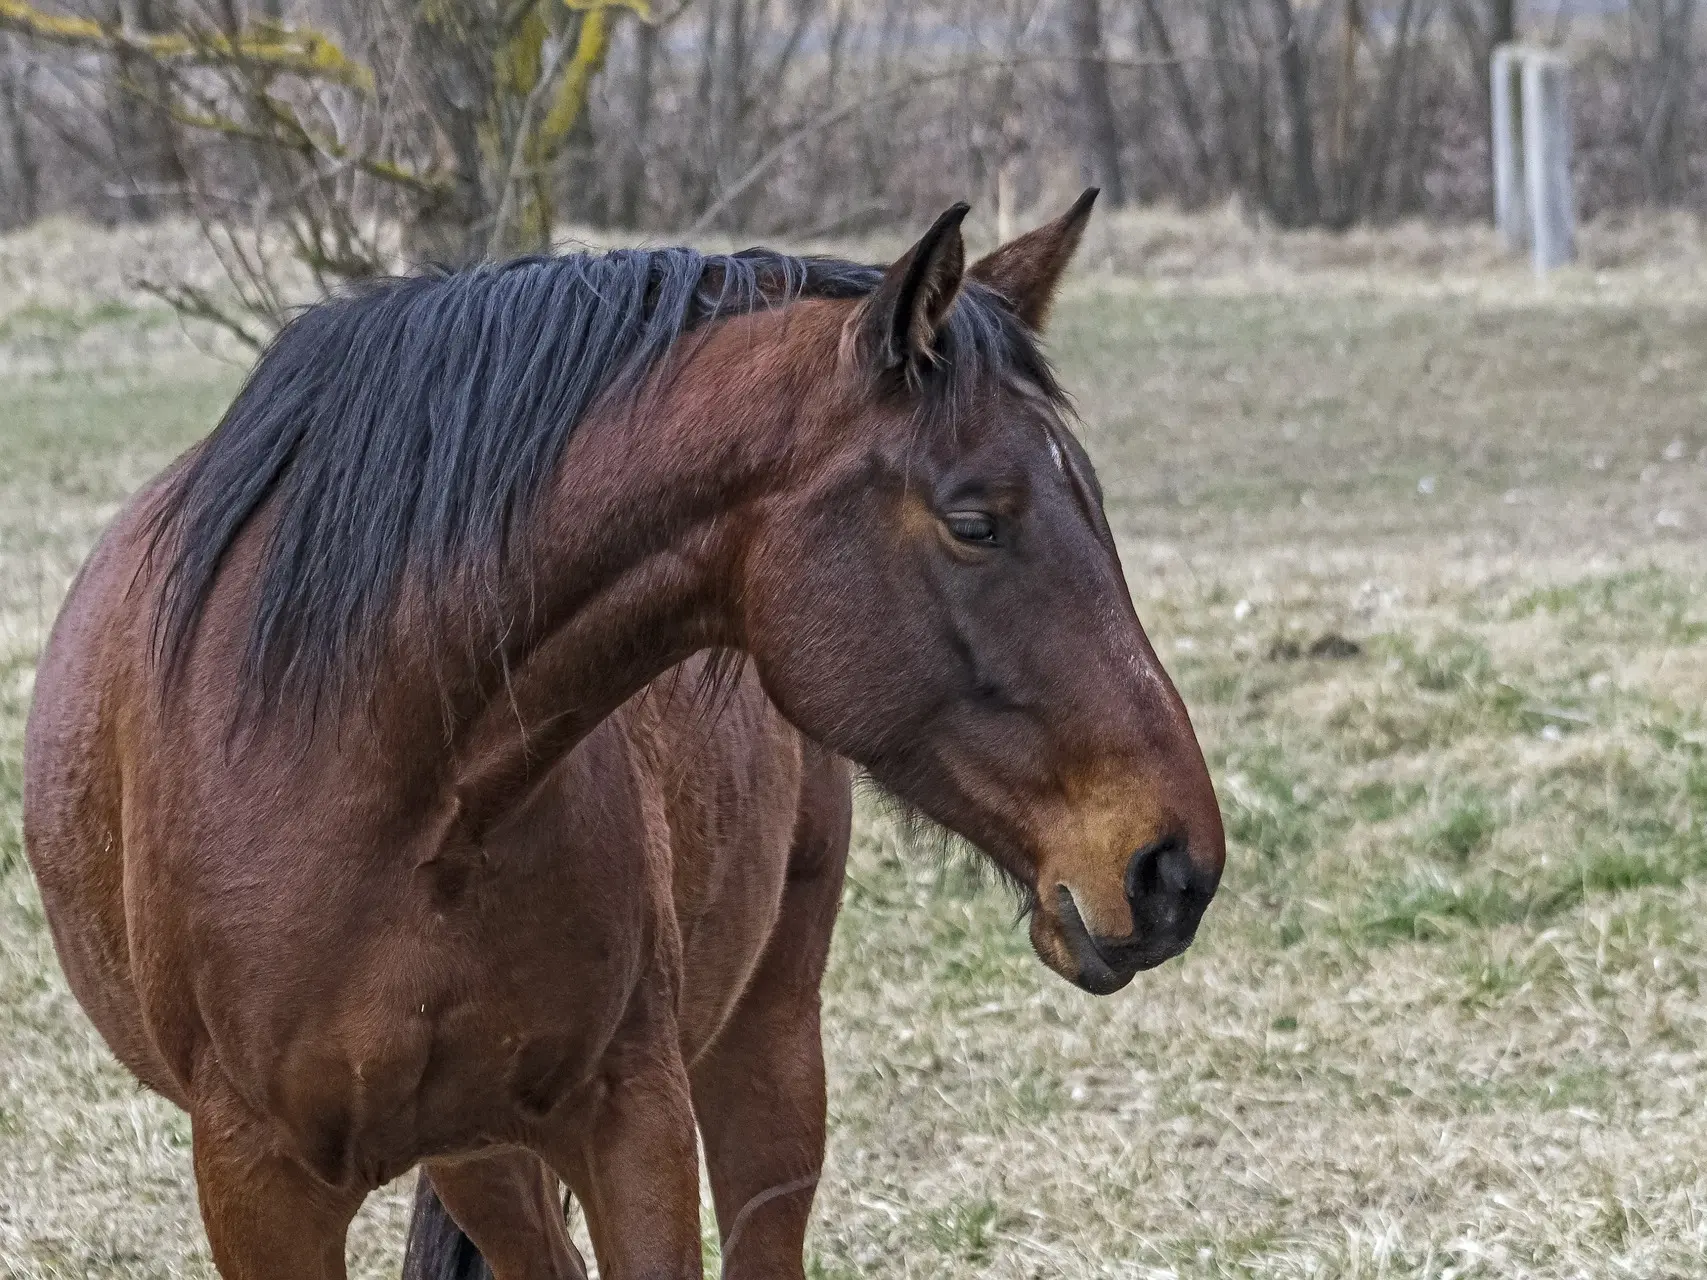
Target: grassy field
x,y
1427,554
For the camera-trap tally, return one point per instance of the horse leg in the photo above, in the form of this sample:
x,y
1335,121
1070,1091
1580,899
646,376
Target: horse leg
x,y
632,1162
759,1091
267,1217
507,1204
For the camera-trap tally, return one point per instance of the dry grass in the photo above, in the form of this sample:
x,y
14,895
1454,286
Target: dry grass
x,y
1445,1020
1226,245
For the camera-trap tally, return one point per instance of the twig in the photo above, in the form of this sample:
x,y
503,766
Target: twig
x,y
189,301
304,52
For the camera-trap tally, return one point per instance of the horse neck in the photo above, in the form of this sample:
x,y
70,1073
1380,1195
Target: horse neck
x,y
634,563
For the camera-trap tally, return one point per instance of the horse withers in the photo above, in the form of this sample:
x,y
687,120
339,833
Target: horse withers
x,y
305,698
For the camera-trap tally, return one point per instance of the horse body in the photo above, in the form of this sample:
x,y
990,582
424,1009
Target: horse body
x,y
238,880
351,846
665,891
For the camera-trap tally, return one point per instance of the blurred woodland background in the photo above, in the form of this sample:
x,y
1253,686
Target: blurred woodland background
x,y
361,134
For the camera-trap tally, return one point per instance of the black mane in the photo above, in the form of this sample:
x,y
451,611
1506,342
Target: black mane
x,y
410,426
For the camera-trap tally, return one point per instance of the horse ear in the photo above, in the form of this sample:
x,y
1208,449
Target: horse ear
x,y
896,326
1025,271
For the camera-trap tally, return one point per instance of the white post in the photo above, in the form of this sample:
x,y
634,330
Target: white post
x,y
1534,206
1547,160
1511,218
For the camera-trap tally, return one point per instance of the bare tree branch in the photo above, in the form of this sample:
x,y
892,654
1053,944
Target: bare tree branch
x,y
302,52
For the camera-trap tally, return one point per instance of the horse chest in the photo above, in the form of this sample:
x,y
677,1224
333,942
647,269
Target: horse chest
x,y
435,1043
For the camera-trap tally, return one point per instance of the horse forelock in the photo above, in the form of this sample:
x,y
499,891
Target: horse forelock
x,y
410,426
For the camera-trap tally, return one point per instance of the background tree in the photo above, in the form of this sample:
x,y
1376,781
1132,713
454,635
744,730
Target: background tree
x,y
20,190
1101,133
1662,39
419,130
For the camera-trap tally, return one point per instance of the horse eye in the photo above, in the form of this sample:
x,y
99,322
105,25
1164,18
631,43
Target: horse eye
x,y
972,526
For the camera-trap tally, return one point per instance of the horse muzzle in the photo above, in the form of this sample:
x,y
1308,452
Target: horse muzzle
x,y
1166,892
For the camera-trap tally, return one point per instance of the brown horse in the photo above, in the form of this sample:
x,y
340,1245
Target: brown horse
x,y
288,772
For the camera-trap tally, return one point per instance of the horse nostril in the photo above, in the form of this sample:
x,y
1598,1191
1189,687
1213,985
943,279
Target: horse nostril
x,y
1161,883
1157,867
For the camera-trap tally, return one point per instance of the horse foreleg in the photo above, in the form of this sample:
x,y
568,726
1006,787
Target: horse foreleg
x,y
634,1166
505,1205
759,1094
267,1217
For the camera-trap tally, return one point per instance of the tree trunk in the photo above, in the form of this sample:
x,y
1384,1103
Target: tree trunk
x,y
1484,25
22,204
1665,72
631,183
455,81
700,171
1385,127
1502,25
1306,202
1100,132
732,78
1179,87
1231,91
144,149
1345,105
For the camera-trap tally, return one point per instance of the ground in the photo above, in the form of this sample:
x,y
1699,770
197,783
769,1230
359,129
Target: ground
x,y
1425,546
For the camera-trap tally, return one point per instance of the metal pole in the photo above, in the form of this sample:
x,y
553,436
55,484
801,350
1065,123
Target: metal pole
x,y
1511,219
1547,159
